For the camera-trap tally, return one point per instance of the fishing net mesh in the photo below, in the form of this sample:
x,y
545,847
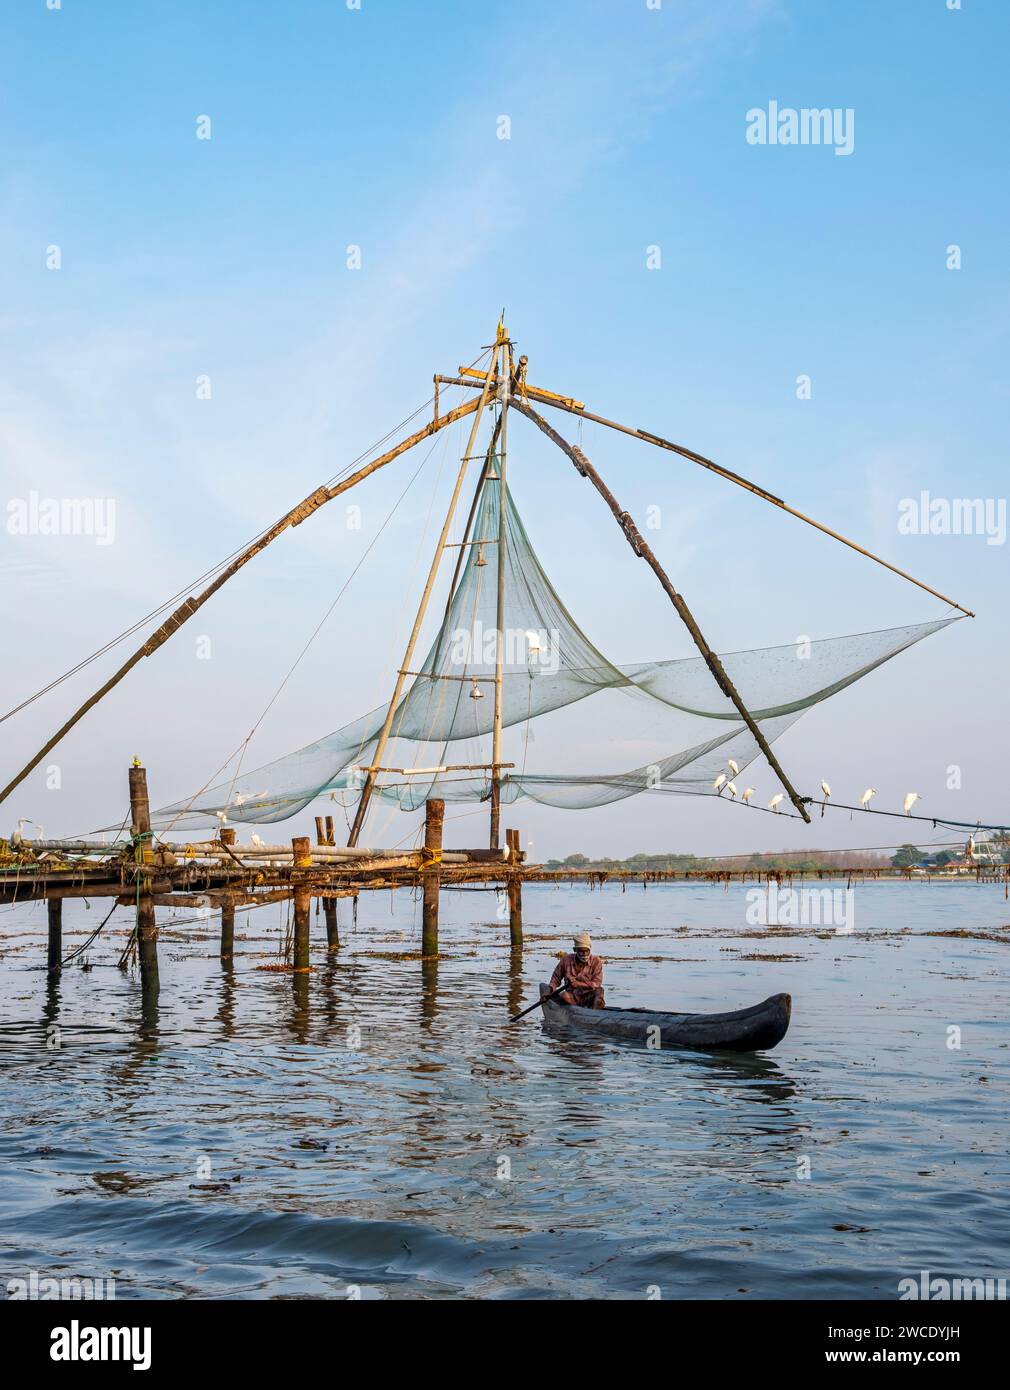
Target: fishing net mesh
x,y
445,718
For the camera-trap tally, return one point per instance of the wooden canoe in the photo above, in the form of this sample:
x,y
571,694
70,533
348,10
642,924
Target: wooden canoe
x,y
756,1029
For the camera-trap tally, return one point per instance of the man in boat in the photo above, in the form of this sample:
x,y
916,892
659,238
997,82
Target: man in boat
x,y
584,974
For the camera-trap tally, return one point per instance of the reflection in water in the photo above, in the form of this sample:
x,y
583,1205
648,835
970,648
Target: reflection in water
x,y
299,1015
416,1142
429,991
516,981
225,1015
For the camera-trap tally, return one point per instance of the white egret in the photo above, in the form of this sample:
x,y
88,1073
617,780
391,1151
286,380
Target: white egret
x,y
827,793
731,788
719,782
867,797
733,767
257,841
909,801
748,792
776,799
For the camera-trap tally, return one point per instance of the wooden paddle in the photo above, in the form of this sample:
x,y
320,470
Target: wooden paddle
x,y
560,990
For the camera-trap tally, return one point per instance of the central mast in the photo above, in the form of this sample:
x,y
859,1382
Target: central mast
x,y
503,355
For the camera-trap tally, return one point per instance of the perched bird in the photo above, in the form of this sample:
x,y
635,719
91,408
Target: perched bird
x,y
776,799
733,767
222,816
719,782
867,797
731,788
17,835
909,801
257,841
748,792
827,793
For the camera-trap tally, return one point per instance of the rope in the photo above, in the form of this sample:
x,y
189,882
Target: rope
x,y
74,954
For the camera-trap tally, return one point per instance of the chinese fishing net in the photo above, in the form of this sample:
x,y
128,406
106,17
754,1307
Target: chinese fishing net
x,y
553,676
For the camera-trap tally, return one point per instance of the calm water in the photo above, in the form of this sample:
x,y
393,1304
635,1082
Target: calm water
x,y
379,1125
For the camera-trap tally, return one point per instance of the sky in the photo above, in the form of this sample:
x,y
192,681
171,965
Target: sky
x,y
185,335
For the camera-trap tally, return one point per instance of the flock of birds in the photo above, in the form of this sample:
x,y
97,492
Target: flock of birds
x,y
723,784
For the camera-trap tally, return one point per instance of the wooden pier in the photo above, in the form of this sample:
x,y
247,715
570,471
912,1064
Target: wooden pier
x,y
146,872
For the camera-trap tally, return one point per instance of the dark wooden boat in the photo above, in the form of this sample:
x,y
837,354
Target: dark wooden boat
x,y
756,1029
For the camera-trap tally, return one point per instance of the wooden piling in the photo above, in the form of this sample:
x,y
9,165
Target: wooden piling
x,y
147,925
434,813
332,929
55,958
302,858
227,837
324,836
227,930
303,906
515,888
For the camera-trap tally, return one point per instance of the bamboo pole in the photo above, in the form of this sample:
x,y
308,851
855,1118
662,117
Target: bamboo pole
x,y
499,658
638,544
186,610
380,747
574,407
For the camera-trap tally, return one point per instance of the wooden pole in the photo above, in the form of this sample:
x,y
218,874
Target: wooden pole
x,y
638,544
186,610
54,907
227,930
577,408
324,836
380,747
227,836
147,925
301,858
332,925
515,889
503,397
434,813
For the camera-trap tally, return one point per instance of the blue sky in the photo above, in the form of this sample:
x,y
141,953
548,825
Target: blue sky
x,y
378,127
